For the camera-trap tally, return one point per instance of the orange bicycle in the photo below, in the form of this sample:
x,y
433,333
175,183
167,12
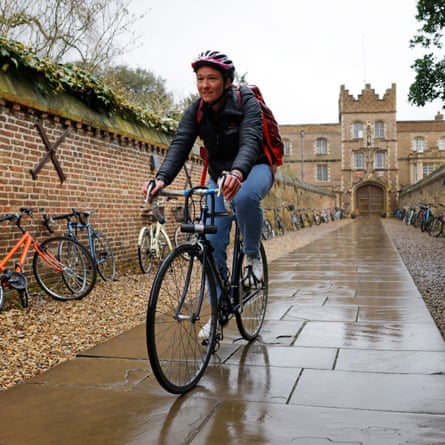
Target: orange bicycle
x,y
62,267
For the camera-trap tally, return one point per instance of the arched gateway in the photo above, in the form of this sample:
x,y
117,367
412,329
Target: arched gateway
x,y
370,200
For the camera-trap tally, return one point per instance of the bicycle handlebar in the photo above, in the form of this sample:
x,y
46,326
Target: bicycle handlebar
x,y
47,220
17,217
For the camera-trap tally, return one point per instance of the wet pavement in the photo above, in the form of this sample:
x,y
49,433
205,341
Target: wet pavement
x,y
349,354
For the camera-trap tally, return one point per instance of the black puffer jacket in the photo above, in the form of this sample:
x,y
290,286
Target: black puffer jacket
x,y
233,138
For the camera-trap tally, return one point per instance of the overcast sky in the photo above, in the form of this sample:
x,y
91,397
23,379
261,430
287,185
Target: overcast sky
x,y
299,52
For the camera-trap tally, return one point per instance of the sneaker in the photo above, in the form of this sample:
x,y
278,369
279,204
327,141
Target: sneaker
x,y
204,333
253,273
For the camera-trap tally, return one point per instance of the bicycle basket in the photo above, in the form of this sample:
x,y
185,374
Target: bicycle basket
x,y
178,213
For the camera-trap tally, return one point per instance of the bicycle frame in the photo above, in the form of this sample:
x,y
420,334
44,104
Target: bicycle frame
x,y
27,241
230,291
72,228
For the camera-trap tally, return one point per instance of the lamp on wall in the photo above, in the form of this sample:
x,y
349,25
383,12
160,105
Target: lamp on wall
x,y
154,162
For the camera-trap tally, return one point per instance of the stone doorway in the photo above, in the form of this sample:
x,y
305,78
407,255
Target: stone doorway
x,y
370,200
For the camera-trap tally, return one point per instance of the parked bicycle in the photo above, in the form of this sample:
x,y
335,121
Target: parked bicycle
x,y
437,227
97,243
153,241
295,222
316,217
279,227
267,230
184,298
426,217
62,267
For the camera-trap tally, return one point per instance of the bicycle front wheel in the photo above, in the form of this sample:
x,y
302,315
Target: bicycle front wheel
x,y
145,255
182,301
2,297
253,300
103,256
267,231
64,269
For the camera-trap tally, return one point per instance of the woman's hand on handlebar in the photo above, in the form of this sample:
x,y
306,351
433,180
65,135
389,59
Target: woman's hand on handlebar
x,y
151,188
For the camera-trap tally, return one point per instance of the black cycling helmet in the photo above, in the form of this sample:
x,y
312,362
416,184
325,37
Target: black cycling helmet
x,y
217,60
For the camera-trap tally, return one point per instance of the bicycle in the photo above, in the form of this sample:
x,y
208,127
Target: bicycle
x,y
267,230
437,227
153,240
295,221
179,236
279,228
98,245
62,267
183,299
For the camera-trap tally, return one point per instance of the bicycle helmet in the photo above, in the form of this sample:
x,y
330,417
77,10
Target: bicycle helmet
x,y
215,59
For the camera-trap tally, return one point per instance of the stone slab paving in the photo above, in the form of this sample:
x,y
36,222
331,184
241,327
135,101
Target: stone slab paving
x,y
348,355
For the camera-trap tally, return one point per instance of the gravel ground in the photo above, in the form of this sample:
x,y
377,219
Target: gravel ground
x,y
423,256
49,332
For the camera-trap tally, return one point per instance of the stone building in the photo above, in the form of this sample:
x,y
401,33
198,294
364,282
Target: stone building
x,y
369,156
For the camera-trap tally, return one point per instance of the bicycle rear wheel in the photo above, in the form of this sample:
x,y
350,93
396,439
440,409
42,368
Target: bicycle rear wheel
x,y
103,256
182,300
64,269
250,316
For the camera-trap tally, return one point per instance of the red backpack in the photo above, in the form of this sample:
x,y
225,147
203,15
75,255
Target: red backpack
x,y
272,143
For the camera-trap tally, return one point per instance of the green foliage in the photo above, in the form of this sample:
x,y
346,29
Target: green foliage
x,y
429,83
141,87
52,78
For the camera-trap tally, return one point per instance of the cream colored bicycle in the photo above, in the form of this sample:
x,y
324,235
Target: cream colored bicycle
x,y
153,242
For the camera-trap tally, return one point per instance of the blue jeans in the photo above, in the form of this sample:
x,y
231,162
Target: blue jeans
x,y
247,204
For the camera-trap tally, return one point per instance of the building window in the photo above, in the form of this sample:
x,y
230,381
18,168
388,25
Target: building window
x,y
286,147
322,172
357,130
379,130
428,169
442,144
359,160
322,146
379,159
419,144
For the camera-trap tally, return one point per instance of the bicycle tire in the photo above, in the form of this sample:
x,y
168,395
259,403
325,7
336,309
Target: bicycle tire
x,y
183,237
2,297
24,297
164,246
177,356
145,255
295,226
436,227
267,232
103,256
64,268
250,317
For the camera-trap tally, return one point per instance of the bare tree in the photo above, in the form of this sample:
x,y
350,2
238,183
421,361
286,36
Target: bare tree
x,y
91,32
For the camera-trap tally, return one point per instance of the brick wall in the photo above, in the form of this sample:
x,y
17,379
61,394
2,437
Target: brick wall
x,y
104,171
104,161
431,190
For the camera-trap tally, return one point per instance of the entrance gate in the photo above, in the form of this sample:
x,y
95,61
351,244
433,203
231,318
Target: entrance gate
x,y
370,200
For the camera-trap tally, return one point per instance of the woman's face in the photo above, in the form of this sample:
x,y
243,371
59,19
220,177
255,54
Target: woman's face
x,y
210,83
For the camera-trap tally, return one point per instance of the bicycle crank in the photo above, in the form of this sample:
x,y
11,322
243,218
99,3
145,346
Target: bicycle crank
x,y
16,280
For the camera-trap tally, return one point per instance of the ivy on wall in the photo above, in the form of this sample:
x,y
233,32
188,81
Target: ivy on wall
x,y
53,78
